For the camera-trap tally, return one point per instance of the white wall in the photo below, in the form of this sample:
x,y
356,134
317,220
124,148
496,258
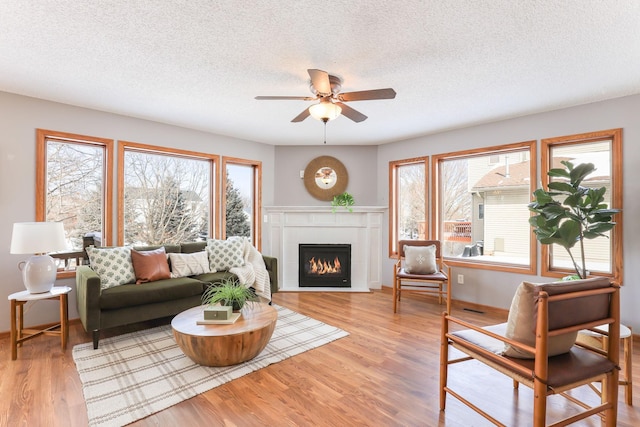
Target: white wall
x,y
19,118
496,288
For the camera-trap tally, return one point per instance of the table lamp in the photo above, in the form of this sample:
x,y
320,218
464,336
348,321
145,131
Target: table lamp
x,y
38,238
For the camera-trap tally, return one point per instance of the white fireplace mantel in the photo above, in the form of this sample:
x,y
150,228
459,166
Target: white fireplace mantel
x,y
289,226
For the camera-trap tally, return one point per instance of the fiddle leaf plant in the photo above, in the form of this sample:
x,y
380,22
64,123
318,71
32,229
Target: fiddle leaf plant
x,y
567,213
345,199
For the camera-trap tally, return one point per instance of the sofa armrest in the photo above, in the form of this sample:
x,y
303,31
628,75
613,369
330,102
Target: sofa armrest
x,y
88,297
272,267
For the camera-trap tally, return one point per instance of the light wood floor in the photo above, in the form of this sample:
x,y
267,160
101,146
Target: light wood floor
x,y
385,373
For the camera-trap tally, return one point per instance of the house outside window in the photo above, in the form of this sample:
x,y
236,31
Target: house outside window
x,y
73,176
603,255
408,201
165,195
481,215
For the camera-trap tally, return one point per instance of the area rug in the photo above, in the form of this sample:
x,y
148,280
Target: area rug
x,y
134,375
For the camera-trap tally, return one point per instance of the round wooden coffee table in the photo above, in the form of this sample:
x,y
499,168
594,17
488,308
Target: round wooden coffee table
x,y
224,345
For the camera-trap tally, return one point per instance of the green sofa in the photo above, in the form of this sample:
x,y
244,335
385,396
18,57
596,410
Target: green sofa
x,y
122,305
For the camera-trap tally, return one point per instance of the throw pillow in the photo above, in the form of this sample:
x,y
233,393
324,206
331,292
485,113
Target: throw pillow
x,y
183,265
150,265
420,259
521,325
113,265
225,254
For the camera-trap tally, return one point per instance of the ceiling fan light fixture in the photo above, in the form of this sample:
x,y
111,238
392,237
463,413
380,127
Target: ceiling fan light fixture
x,y
325,111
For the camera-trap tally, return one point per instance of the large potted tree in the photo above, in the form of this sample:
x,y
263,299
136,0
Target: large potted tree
x,y
567,212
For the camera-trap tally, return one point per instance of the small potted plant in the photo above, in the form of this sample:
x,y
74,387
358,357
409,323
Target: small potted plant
x,y
345,199
568,213
229,292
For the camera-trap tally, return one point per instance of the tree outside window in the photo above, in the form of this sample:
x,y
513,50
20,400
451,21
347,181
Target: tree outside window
x,y
407,182
242,202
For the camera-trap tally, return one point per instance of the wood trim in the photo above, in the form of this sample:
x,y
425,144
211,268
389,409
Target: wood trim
x,y
617,253
257,196
436,161
155,149
41,175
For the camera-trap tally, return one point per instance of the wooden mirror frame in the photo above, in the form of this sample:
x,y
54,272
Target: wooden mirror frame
x,y
342,178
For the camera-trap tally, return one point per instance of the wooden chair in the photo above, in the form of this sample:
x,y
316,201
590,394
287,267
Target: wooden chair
x,y
559,310
435,283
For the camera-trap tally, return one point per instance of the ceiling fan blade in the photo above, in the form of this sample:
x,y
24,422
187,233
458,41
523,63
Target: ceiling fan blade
x,y
320,81
352,114
365,95
300,117
301,98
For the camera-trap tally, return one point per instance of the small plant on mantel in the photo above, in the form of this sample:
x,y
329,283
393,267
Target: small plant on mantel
x,y
229,292
345,199
568,213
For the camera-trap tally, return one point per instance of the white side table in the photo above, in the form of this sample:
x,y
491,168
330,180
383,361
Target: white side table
x,y
19,334
626,336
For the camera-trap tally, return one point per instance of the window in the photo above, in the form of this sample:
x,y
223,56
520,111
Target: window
x,y
164,195
604,150
408,201
73,176
242,203
481,213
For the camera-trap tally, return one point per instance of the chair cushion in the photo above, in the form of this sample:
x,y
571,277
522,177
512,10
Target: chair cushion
x,y
189,264
113,265
150,265
521,325
420,259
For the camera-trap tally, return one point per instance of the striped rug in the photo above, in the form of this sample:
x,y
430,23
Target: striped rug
x,y
135,375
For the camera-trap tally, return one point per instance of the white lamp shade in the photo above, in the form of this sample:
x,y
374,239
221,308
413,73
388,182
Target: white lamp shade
x,y
37,237
325,110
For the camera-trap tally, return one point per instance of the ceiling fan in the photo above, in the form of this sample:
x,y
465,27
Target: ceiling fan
x,y
326,89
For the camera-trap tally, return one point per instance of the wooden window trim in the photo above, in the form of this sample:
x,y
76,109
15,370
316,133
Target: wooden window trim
x,y
393,192
436,195
257,196
214,159
41,177
617,257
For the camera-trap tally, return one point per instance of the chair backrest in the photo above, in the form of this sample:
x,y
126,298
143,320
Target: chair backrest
x,y
573,303
403,243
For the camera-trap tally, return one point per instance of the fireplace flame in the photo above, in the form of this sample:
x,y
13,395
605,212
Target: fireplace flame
x,y
324,266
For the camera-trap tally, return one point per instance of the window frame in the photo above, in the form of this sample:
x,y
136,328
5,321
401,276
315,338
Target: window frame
x,y
617,257
42,136
213,159
436,195
394,165
257,196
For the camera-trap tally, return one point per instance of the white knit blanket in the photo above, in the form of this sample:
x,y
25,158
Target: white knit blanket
x,y
254,272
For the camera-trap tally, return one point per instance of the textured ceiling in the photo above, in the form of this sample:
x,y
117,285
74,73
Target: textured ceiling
x,y
200,63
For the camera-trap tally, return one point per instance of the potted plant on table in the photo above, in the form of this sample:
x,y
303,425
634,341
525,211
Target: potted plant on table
x,y
567,213
229,292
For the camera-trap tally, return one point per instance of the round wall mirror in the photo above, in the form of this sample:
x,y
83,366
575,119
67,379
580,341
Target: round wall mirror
x,y
325,177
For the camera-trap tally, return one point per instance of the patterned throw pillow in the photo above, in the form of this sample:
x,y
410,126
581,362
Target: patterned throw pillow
x,y
225,254
113,265
420,259
183,265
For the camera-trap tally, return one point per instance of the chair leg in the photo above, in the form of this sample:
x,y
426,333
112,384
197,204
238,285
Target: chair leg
x,y
628,370
444,361
395,295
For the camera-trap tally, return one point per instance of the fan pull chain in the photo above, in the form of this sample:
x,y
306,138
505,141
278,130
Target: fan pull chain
x,y
325,131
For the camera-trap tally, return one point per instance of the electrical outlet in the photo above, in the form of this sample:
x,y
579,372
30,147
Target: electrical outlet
x,y
460,279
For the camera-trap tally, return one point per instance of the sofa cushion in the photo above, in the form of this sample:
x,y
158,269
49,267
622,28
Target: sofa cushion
x,y
113,265
189,264
150,265
167,248
150,292
213,277
190,247
225,254
420,259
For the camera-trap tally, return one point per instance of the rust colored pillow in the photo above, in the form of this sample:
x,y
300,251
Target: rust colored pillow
x,y
150,265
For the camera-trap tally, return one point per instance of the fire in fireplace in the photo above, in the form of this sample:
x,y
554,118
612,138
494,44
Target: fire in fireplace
x,y
324,265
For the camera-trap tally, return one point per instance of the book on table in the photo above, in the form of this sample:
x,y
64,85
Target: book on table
x,y
232,319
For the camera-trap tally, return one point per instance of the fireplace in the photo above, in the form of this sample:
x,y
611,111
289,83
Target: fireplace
x,y
324,265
